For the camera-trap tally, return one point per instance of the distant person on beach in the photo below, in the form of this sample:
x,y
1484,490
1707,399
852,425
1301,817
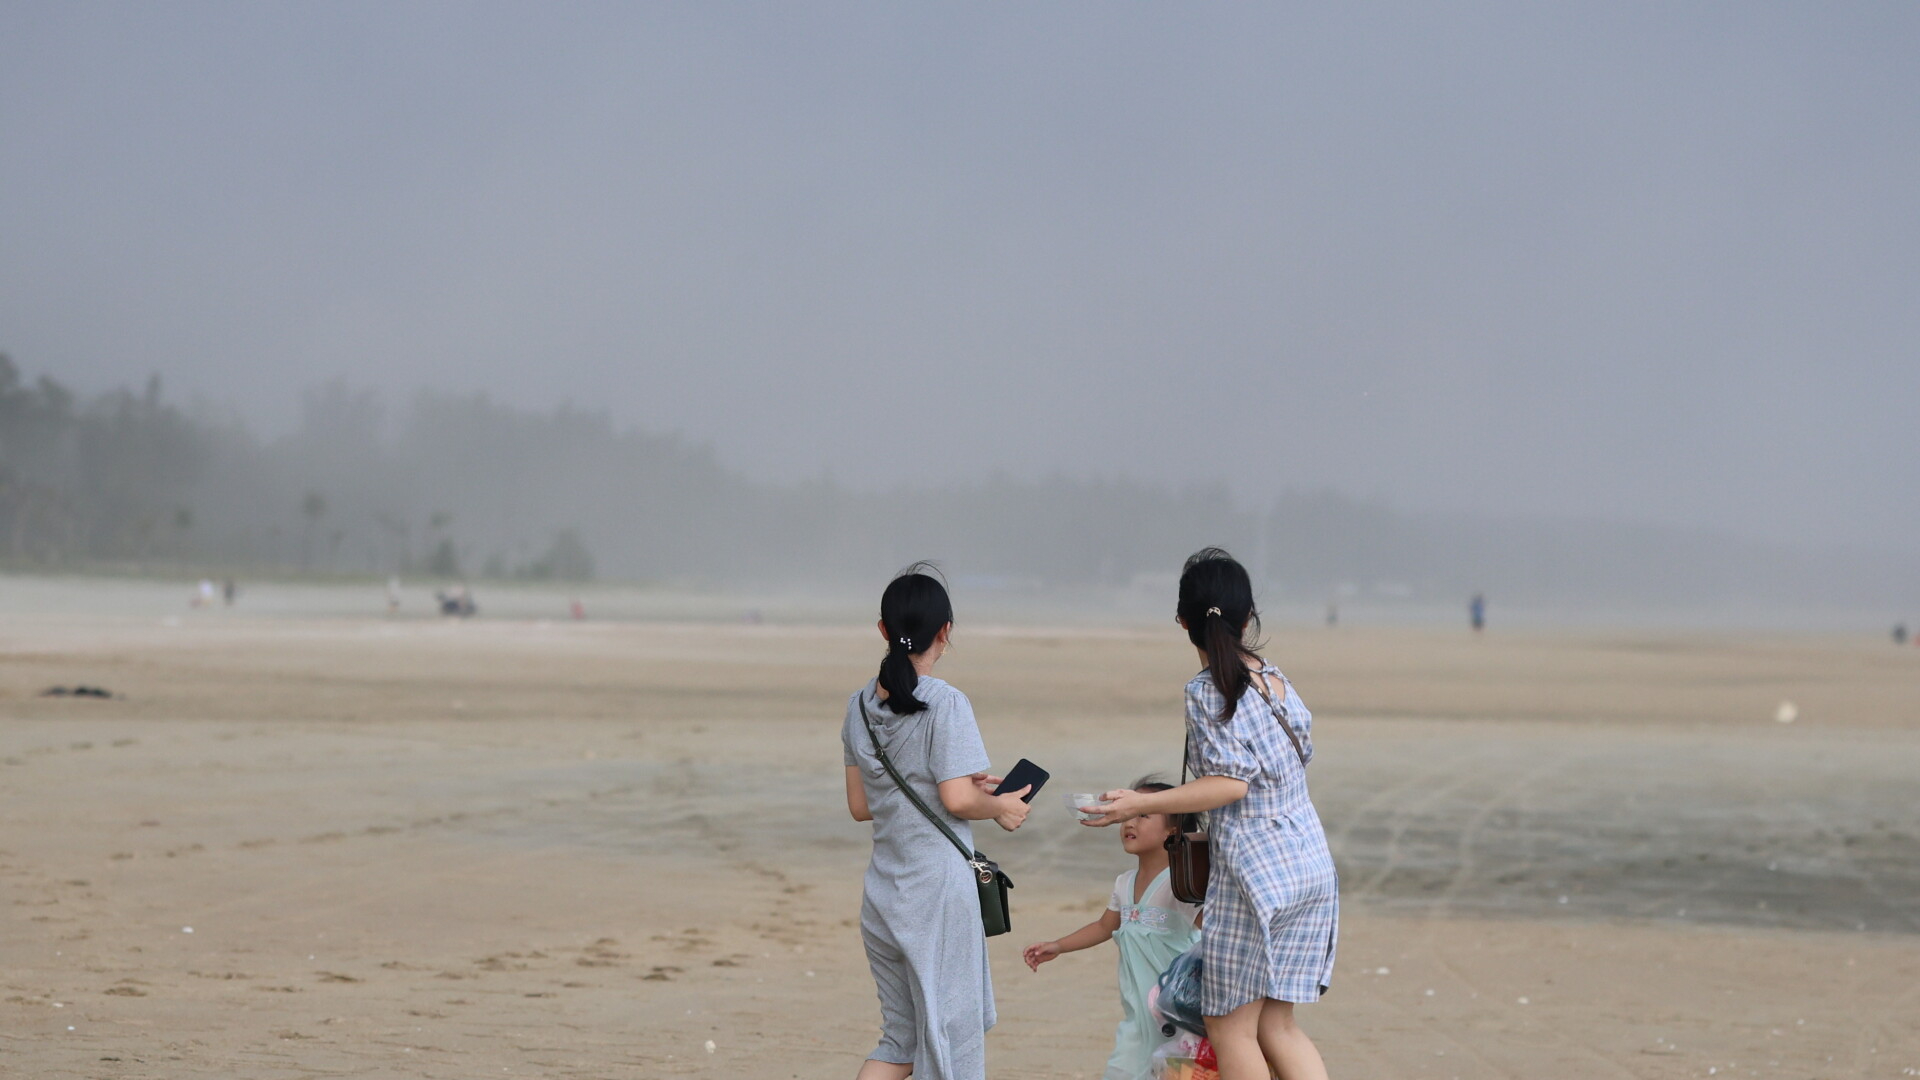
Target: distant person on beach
x,y
1150,927
393,595
1477,612
1899,633
920,908
228,591
457,602
1273,896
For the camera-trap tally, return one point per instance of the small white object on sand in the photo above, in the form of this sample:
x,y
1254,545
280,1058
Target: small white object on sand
x,y
710,1047
186,929
1787,713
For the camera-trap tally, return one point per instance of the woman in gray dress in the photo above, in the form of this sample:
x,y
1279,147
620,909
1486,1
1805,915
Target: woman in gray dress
x,y
920,915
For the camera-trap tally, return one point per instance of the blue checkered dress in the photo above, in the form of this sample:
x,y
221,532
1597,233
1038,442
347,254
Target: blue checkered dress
x,y
1273,904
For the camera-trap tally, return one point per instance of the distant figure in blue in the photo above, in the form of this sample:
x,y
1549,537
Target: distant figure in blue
x,y
1477,610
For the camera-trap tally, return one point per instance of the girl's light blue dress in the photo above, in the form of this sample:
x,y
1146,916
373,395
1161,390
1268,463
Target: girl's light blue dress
x,y
1152,932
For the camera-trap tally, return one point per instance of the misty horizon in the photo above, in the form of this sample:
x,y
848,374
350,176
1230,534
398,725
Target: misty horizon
x,y
458,486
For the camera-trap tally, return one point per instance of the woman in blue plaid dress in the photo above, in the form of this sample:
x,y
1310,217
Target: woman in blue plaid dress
x,y
1273,898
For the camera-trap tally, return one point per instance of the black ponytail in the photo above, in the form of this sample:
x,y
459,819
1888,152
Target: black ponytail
x,y
1216,603
914,609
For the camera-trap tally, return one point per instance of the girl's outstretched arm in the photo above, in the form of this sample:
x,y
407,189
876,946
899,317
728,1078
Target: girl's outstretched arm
x,y
1094,933
857,795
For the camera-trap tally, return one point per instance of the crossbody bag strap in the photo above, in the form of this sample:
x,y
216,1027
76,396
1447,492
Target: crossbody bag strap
x,y
906,789
1279,714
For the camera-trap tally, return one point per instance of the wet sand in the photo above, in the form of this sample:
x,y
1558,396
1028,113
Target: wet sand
x,y
425,849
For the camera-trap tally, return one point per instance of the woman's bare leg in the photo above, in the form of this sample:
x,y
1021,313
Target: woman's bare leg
x,y
1236,1042
1287,1050
882,1070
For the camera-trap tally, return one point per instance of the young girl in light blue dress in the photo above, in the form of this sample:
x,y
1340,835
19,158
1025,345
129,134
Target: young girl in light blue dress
x,y
1149,926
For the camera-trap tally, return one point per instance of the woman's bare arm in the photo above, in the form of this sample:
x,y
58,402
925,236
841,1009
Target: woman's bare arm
x,y
1195,796
857,795
969,798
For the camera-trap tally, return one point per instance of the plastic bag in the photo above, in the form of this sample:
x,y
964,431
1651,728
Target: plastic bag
x,y
1178,1003
1184,1057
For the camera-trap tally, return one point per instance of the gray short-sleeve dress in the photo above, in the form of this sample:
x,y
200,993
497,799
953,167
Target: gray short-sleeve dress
x,y
920,915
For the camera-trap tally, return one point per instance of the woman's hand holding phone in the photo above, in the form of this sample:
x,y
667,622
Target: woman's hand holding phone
x,y
1013,808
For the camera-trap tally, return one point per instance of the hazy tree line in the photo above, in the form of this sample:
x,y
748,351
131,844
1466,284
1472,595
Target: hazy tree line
x,y
462,486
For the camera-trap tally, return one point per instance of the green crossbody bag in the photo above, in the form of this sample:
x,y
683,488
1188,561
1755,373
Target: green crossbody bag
x,y
996,917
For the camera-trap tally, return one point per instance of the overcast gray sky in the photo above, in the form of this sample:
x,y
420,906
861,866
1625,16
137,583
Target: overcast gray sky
x,y
1651,262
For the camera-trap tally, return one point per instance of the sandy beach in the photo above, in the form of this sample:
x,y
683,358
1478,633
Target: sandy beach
x,y
332,845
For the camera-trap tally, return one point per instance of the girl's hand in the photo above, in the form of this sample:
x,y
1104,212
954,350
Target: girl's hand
x,y
1035,955
1013,809
1117,806
985,781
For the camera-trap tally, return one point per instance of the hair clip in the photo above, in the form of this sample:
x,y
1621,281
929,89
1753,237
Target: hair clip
x,y
907,641
1214,611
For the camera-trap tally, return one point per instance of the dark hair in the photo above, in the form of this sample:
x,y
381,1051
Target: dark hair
x,y
1216,603
1180,823
913,609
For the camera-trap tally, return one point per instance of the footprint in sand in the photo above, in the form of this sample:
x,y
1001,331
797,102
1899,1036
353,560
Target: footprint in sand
x,y
601,954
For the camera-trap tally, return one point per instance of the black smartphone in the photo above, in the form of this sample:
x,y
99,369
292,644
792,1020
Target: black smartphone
x,y
1023,774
